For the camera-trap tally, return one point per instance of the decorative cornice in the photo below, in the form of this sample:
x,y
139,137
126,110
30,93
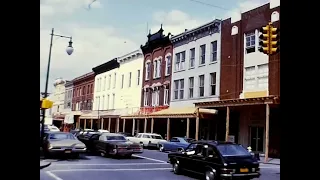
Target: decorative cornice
x,y
130,56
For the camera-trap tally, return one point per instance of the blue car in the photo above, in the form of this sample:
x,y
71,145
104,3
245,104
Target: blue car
x,y
175,144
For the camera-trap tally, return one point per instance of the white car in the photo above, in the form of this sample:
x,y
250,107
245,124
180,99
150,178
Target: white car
x,y
52,128
103,131
147,139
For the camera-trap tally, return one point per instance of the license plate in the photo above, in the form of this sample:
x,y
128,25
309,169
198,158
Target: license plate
x,y
244,170
67,151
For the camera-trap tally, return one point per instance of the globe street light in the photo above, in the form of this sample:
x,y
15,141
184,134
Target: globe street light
x,y
69,51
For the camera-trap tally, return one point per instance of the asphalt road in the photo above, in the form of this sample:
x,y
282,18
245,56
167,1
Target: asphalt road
x,y
151,165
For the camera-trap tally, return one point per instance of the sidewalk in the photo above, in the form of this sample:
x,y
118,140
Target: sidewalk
x,y
270,161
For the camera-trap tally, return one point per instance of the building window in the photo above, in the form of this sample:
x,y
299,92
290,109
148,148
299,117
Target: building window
x,y
129,85
213,83
91,88
250,42
108,100
168,64
104,83
155,68
114,80
191,86
145,98
192,57
159,68
138,77
88,89
178,89
109,81
122,81
202,54
166,96
180,61
155,97
102,103
263,76
214,48
148,70
113,100
201,85
250,78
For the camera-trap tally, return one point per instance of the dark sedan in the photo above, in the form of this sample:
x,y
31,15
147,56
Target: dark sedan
x,y
117,145
216,160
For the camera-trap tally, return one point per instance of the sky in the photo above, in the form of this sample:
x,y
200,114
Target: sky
x,y
112,28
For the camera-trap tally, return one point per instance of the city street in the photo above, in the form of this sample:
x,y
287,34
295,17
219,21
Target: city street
x,y
149,165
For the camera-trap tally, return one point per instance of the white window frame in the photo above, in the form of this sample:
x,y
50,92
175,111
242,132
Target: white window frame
x,y
138,77
148,69
168,64
104,83
250,76
129,79
191,88
214,52
202,55
113,100
175,89
192,59
201,86
166,96
155,68
122,81
108,101
114,80
179,89
159,67
252,37
213,84
102,103
145,98
109,82
180,61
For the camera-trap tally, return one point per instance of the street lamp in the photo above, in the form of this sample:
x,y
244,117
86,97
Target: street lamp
x,y
69,51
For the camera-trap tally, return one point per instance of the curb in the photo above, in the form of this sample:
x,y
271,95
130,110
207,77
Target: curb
x,y
270,163
46,165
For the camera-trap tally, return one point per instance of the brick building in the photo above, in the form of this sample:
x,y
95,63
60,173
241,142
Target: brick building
x,y
250,83
83,88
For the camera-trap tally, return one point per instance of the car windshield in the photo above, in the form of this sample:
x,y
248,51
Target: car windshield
x,y
60,136
232,150
156,137
189,140
116,138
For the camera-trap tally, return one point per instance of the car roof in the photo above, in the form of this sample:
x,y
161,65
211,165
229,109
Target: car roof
x,y
150,134
57,132
111,134
212,142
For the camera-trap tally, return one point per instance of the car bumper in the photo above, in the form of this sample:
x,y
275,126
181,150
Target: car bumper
x,y
126,151
240,176
67,151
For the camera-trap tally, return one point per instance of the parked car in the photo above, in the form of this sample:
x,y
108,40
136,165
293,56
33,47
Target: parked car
x,y
147,139
216,160
116,144
125,134
62,143
175,144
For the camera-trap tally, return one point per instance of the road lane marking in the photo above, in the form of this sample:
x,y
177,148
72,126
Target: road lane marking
x,y
73,170
151,159
55,177
115,164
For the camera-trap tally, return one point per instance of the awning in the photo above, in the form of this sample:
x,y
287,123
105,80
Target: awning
x,y
185,112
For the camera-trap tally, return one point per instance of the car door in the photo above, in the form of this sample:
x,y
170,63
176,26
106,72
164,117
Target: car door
x,y
186,160
212,158
145,139
94,139
174,144
100,143
196,159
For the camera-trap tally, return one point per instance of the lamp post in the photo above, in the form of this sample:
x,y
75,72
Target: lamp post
x,y
69,51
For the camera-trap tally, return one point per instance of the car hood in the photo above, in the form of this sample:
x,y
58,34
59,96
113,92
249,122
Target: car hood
x,y
66,142
122,143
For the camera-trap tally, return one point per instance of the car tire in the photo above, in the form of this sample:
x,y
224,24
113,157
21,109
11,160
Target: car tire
x,y
161,148
210,175
176,168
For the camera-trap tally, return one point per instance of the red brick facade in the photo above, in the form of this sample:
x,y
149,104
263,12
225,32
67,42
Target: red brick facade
x,y
83,88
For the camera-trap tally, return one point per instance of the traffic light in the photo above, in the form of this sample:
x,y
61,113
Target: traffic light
x,y
46,104
274,40
264,39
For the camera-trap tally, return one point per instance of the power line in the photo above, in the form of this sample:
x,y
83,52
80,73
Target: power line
x,y
212,5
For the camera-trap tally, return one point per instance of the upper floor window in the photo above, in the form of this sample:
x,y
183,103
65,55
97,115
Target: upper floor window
x,y
146,98
213,82
166,96
191,86
250,42
148,70
214,48
178,89
114,80
138,77
109,81
201,85
192,57
157,68
104,83
129,83
180,61
122,81
168,64
202,58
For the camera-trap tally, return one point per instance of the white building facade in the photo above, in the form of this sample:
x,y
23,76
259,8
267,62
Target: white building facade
x,y
58,96
120,88
196,65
